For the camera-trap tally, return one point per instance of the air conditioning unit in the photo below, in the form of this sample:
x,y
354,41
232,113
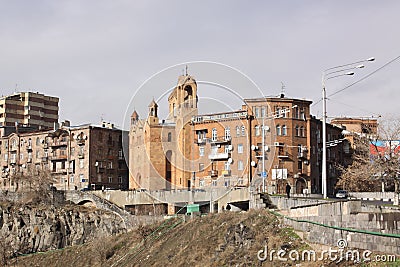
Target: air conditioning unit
x,y
277,144
266,148
230,147
266,128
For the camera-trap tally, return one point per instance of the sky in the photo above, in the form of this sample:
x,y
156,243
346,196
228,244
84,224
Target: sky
x,y
105,58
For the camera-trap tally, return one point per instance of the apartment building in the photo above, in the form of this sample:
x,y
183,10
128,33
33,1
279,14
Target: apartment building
x,y
87,156
228,149
29,109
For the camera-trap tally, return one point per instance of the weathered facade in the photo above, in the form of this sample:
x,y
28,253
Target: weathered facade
x,y
79,157
29,109
229,149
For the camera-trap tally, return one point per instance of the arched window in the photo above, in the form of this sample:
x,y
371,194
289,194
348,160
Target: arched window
x,y
237,131
278,129
37,141
214,134
169,138
284,130
243,131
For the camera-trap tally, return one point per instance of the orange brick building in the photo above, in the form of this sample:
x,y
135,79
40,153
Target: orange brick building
x,y
226,149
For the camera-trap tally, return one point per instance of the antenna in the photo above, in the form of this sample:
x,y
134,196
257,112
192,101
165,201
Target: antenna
x,y
186,70
283,90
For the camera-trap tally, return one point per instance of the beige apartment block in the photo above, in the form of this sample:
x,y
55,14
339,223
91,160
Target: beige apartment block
x,y
87,156
29,109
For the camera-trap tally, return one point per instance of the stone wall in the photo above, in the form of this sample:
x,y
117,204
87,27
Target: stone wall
x,y
345,215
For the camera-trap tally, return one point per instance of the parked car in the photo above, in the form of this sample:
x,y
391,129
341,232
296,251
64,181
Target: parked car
x,y
342,194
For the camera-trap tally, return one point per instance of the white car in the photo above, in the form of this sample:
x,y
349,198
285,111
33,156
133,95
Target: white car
x,y
342,194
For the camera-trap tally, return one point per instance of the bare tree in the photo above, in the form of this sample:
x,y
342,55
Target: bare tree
x,y
375,160
38,182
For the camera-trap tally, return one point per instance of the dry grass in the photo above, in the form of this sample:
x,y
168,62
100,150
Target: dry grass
x,y
226,239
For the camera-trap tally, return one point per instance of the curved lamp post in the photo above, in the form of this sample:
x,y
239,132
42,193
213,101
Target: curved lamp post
x,y
331,73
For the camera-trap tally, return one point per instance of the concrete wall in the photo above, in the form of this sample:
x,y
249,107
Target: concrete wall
x,y
343,214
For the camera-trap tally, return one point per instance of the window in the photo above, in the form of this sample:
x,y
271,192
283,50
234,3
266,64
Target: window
x,y
227,182
300,166
278,129
284,130
81,178
29,155
227,133
6,157
243,131
110,179
227,166
120,179
256,111
201,151
21,156
240,148
302,114
201,167
262,112
214,183
296,113
81,163
257,130
202,183
240,165
237,131
302,131
37,154
227,149
214,134
297,130
71,179
169,137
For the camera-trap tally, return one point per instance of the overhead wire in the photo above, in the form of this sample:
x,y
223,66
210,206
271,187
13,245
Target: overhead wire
x,y
359,80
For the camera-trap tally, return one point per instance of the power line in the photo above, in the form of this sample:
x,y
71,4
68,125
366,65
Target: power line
x,y
365,77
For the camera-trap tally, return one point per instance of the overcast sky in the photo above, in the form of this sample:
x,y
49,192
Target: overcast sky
x,y
94,55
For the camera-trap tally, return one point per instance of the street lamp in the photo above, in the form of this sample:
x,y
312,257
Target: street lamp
x,y
330,73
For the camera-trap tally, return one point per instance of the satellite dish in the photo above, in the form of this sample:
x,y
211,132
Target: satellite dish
x,y
253,163
230,160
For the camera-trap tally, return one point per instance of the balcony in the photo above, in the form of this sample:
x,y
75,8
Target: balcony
x,y
59,171
302,155
283,155
226,172
218,156
220,140
201,141
213,173
80,142
59,143
58,157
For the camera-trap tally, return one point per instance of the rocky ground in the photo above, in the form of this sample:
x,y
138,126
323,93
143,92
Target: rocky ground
x,y
37,228
226,239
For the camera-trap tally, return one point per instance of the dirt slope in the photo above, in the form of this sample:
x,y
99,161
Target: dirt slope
x,y
226,239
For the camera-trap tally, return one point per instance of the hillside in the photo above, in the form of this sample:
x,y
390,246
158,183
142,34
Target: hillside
x,y
225,239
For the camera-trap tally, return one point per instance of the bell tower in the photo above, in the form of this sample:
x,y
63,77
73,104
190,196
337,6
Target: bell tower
x,y
152,118
183,99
